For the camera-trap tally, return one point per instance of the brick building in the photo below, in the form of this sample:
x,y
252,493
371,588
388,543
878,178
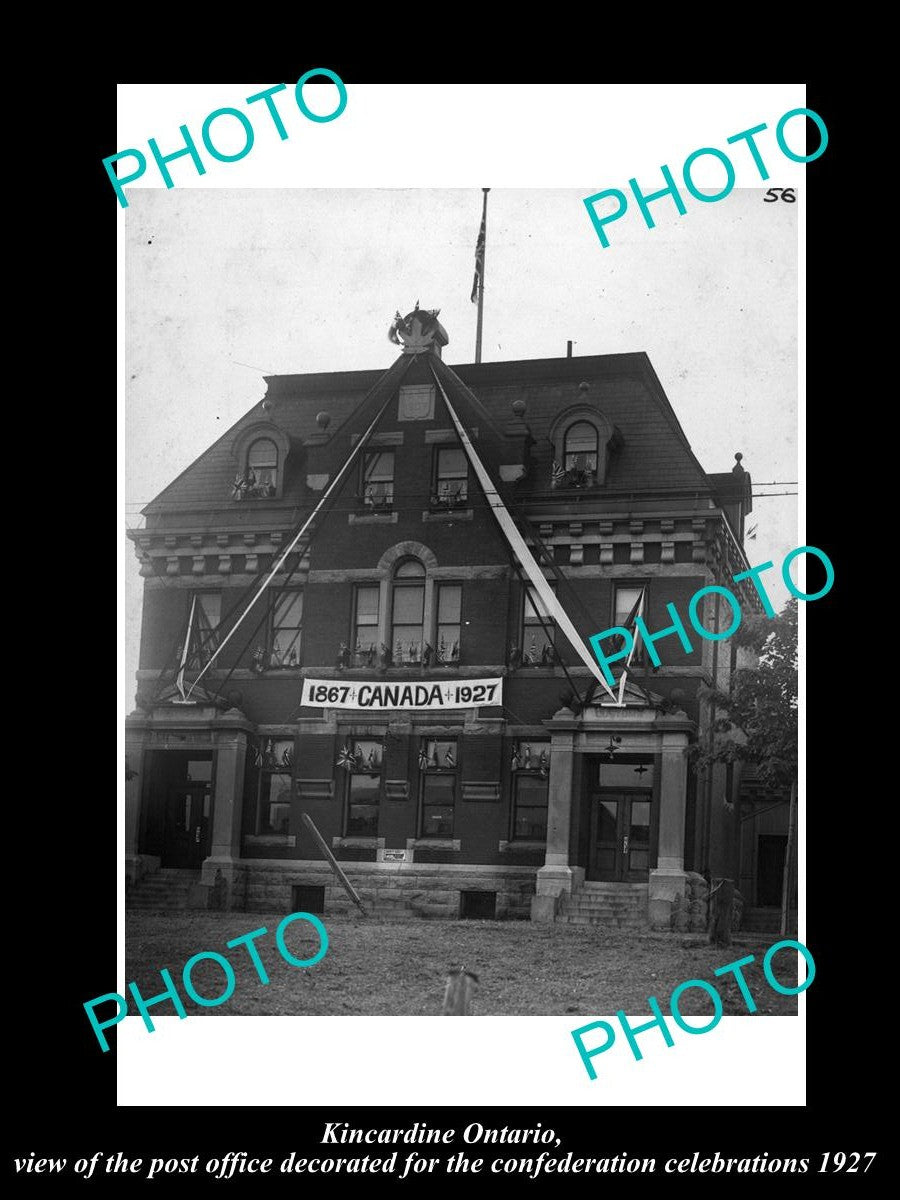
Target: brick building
x,y
555,802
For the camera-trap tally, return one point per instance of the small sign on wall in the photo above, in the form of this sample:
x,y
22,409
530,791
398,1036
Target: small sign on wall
x,y
395,856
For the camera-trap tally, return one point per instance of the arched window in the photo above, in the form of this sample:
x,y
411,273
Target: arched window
x,y
580,447
262,468
408,612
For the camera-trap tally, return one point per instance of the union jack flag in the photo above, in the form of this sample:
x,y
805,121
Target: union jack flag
x,y
423,759
347,758
557,474
478,281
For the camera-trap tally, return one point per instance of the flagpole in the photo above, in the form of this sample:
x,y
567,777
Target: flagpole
x,y
481,283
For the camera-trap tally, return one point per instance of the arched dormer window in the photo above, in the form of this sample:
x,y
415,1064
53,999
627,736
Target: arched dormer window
x,y
260,452
582,439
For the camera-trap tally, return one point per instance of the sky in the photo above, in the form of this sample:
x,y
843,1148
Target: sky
x,y
221,287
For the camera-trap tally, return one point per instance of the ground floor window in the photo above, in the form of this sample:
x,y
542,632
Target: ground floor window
x,y
530,769
437,762
274,760
362,761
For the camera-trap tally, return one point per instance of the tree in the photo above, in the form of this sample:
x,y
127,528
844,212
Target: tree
x,y
756,721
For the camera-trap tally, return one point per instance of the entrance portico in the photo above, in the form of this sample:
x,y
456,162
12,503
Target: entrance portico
x,y
617,803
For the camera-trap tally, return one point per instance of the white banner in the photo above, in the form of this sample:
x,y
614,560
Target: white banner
x,y
379,695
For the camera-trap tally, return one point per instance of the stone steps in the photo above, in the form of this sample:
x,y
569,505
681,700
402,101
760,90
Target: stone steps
x,y
607,906
167,888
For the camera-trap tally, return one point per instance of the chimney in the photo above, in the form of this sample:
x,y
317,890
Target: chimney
x,y
568,349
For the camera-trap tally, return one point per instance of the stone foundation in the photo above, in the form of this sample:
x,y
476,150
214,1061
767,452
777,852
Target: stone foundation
x,y
386,889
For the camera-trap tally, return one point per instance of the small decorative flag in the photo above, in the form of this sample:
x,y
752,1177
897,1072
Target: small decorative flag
x,y
423,760
373,759
434,756
287,756
527,757
449,759
557,474
514,765
454,652
346,758
543,762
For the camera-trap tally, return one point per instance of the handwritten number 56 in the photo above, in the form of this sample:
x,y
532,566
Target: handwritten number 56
x,y
786,194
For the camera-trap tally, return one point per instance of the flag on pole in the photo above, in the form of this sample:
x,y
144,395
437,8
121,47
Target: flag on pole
x,y
478,281
449,758
423,760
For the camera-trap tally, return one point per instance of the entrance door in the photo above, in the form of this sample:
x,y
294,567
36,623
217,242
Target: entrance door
x,y
770,869
187,822
620,836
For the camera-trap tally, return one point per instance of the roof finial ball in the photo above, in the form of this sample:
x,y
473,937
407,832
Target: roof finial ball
x,y
737,468
518,407
323,420
584,386
267,405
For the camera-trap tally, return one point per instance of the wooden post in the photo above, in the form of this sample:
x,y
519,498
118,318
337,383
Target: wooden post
x,y
721,906
333,863
459,992
787,879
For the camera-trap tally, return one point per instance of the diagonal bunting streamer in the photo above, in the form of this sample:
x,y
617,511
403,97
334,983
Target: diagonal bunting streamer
x,y
522,551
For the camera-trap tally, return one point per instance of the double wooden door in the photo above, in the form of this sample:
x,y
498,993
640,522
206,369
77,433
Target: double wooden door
x,y
620,835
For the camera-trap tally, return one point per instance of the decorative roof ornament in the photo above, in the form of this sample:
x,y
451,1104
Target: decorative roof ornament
x,y
419,331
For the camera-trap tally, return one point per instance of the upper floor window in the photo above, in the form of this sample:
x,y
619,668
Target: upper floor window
x,y
365,621
205,613
378,478
450,485
408,613
538,631
449,610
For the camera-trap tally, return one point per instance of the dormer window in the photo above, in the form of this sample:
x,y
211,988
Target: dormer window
x,y
260,452
583,439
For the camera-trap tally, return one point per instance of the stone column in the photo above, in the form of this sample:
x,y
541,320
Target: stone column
x,y
135,739
557,877
228,802
668,879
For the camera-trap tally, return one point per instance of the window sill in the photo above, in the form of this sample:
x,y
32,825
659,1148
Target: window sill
x,y
521,844
359,843
455,514
270,839
372,518
437,843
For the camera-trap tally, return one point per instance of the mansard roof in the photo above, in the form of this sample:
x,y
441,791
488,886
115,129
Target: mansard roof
x,y
654,452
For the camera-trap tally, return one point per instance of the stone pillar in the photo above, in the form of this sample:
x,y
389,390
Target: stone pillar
x,y
228,801
557,877
668,880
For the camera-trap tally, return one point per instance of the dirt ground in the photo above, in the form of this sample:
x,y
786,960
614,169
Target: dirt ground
x,y
392,968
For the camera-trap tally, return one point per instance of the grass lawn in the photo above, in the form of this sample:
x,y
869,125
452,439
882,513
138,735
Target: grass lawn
x,y
391,968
